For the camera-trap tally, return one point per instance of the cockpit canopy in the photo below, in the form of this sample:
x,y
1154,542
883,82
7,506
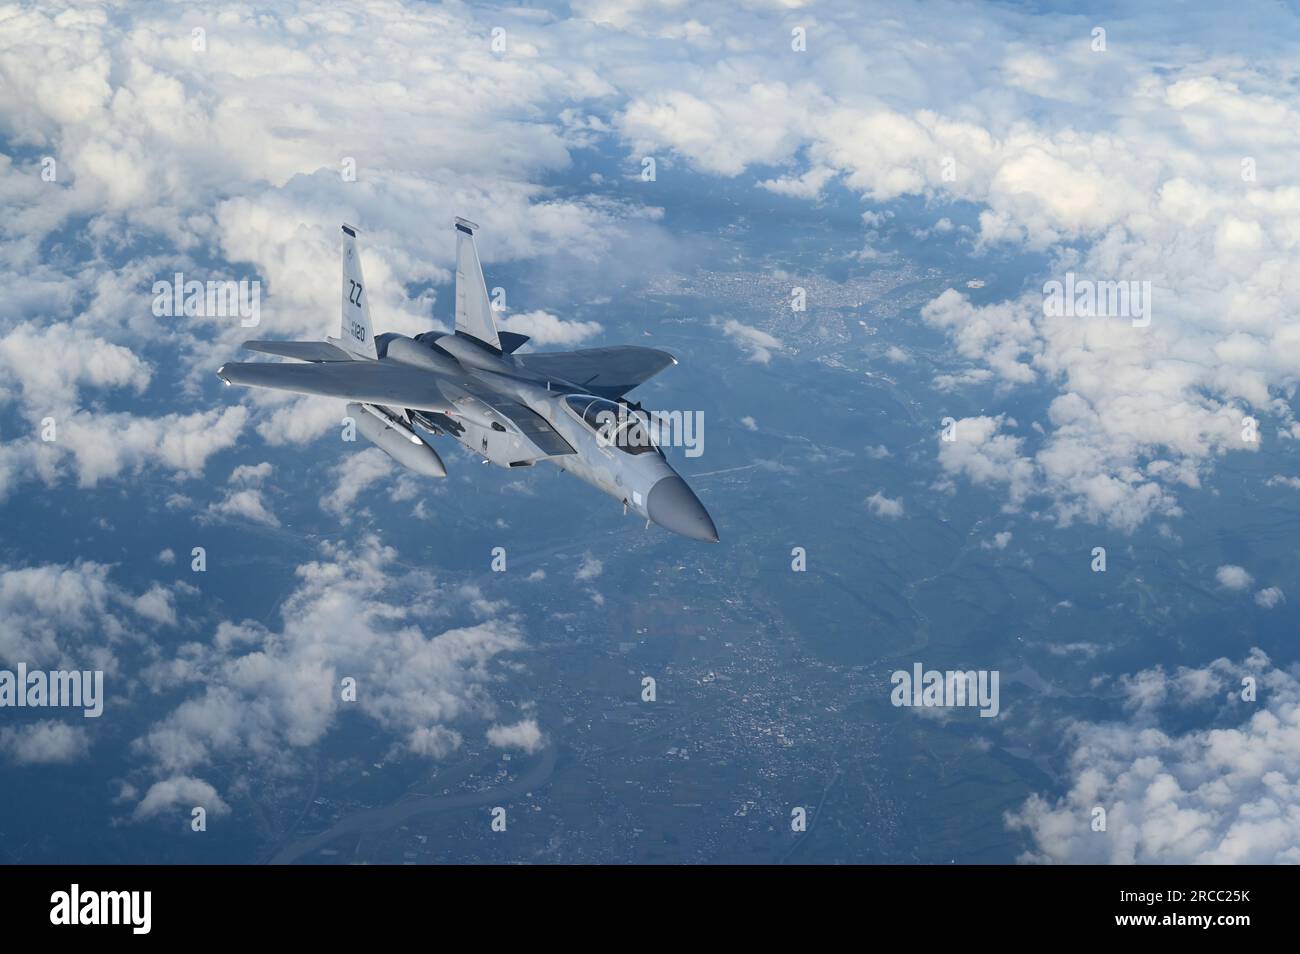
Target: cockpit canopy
x,y
614,424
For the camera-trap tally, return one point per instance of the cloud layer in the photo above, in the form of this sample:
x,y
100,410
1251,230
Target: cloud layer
x,y
357,634
1223,794
1162,155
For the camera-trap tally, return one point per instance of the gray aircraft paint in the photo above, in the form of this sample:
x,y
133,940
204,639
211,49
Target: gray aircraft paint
x,y
512,410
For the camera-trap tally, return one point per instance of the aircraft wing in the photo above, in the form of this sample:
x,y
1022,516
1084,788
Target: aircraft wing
x,y
372,382
605,372
302,350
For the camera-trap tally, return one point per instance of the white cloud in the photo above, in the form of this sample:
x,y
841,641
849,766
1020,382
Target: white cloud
x,y
103,446
180,794
433,742
261,697
131,114
355,473
724,129
806,186
157,605
250,473
523,735
882,506
50,364
1148,188
1001,335
543,328
589,569
984,455
248,504
1201,796
999,541
44,743
756,342
302,420
71,616
1269,597
1150,409
1232,577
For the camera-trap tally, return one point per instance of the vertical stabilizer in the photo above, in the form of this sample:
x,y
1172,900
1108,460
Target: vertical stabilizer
x,y
355,332
473,309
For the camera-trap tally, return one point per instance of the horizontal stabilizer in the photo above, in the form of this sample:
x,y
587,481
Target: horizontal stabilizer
x,y
606,372
302,350
372,382
511,341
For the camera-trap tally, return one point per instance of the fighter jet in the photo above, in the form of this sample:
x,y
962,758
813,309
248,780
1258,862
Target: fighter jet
x,y
513,410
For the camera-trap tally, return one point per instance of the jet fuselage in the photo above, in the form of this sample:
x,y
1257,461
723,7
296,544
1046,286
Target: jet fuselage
x,y
612,447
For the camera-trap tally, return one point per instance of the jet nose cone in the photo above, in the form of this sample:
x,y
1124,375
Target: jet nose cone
x,y
675,507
